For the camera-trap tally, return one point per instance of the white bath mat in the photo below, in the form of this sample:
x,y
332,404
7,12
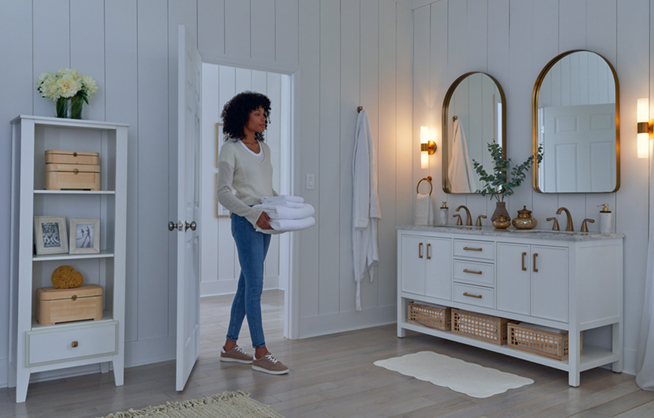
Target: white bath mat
x,y
468,378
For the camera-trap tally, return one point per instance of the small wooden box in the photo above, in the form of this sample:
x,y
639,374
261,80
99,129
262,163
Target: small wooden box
x,y
71,177
72,157
66,305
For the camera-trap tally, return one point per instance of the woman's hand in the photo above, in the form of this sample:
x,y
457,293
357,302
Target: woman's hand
x,y
264,221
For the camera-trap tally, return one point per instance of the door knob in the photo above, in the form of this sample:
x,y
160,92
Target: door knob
x,y
172,226
191,225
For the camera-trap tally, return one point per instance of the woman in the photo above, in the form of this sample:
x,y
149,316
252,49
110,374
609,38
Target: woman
x,y
244,167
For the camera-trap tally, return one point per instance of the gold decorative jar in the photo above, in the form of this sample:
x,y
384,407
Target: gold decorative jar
x,y
501,222
524,219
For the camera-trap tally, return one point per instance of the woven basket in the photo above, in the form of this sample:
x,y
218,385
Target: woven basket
x,y
430,316
540,342
481,327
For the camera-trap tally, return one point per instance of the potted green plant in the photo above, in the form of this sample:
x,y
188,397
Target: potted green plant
x,y
497,184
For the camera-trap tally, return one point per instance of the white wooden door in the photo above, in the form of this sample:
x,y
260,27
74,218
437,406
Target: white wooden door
x,y
579,146
438,274
513,278
188,206
413,264
549,283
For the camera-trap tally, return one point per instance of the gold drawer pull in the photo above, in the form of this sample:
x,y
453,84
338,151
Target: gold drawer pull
x,y
471,296
535,269
428,251
420,250
74,297
471,271
75,154
75,171
74,344
472,249
523,262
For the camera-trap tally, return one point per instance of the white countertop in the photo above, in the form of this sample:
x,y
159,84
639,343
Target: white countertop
x,y
536,233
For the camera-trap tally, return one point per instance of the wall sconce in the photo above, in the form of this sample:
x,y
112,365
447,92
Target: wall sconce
x,y
427,146
645,128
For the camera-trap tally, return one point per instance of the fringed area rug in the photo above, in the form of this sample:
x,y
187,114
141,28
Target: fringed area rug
x,y
227,404
468,378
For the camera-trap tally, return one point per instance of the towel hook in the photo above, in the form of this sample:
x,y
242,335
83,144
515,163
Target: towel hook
x,y
359,109
431,186
454,118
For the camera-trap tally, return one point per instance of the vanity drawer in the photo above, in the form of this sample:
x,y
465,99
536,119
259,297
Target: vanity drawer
x,y
56,345
481,250
474,295
475,273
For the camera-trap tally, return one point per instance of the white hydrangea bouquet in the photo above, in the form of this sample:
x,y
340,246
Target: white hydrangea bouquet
x,y
68,88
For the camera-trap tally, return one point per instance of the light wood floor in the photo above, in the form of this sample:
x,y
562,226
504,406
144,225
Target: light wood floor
x,y
334,376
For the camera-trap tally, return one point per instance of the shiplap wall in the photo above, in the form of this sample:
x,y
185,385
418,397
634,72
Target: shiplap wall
x,y
346,53
220,266
513,40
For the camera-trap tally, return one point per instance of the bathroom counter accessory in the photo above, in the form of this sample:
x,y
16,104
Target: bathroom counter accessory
x,y
567,281
532,234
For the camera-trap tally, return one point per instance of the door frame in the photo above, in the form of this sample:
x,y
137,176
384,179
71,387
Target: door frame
x,y
291,294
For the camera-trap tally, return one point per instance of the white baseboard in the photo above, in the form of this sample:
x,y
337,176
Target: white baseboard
x,y
228,287
629,361
155,350
314,326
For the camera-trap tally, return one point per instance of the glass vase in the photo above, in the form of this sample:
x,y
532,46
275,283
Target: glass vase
x,y
70,107
500,209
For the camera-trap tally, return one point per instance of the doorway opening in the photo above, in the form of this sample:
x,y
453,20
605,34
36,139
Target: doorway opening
x,y
219,259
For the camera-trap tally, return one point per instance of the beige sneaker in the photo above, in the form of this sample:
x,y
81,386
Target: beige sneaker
x,y
269,364
235,355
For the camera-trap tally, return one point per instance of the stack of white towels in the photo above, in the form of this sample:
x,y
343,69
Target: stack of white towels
x,y
287,213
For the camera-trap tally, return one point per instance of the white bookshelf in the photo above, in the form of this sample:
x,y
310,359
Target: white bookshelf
x,y
75,343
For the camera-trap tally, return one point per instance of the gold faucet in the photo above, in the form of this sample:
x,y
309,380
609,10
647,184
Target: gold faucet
x,y
568,226
556,223
584,227
458,220
479,218
468,217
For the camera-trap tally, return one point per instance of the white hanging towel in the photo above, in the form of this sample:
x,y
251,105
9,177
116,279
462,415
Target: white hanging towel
x,y
365,205
460,171
424,214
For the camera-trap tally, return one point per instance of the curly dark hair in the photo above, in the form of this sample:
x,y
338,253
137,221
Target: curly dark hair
x,y
236,113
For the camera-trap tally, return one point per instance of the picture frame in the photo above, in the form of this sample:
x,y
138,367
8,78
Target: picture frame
x,y
50,235
85,236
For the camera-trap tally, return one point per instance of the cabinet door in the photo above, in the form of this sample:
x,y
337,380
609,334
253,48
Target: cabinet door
x,y
513,288
439,268
413,264
549,283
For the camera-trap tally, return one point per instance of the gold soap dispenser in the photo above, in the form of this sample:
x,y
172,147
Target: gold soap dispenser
x,y
524,219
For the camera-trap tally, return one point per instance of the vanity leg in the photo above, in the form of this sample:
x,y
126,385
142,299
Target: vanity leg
x,y
617,347
574,378
104,367
401,332
119,370
22,381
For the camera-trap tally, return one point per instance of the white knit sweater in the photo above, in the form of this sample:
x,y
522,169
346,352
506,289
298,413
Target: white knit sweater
x,y
242,180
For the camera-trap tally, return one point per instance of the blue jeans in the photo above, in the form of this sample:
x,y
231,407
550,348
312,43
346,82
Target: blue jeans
x,y
252,247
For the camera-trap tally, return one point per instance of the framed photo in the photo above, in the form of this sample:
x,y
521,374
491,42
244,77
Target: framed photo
x,y
50,235
84,236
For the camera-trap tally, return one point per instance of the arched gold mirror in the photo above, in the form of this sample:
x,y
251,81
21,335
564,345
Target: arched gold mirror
x,y
473,115
575,118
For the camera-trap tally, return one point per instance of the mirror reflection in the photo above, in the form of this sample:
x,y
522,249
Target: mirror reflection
x,y
575,115
473,116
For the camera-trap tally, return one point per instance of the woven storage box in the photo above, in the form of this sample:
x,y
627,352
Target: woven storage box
x,y
481,327
537,341
430,316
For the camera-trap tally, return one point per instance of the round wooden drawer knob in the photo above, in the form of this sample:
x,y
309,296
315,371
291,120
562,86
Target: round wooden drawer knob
x,y
74,344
